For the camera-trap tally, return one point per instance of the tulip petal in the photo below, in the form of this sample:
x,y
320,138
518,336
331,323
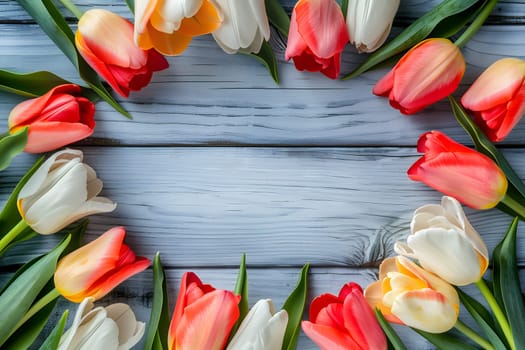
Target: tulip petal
x,y
129,330
83,308
47,136
516,110
328,338
256,319
272,336
320,302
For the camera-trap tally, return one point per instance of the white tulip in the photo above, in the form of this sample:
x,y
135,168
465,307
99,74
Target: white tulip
x,y
369,22
445,243
60,192
110,328
244,25
261,329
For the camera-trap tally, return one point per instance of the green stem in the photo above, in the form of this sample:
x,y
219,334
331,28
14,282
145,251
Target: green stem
x,y
498,313
72,8
476,24
516,206
475,337
12,234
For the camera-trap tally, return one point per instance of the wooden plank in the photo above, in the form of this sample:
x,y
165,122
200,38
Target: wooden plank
x,y
282,206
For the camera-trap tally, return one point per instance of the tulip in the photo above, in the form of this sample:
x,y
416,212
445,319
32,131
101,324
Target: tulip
x,y
344,322
113,327
203,316
244,27
62,190
169,25
445,243
407,294
261,329
96,268
317,36
497,98
58,118
105,40
428,72
369,22
455,170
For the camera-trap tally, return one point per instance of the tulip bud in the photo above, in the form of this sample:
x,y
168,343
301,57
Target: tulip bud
x,y
105,41
497,98
113,327
244,27
427,73
261,329
455,170
369,22
62,191
94,269
56,119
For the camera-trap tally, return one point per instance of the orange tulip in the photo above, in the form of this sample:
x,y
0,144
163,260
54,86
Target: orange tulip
x,y
169,25
430,71
96,268
203,316
344,322
458,171
317,36
56,119
105,40
497,98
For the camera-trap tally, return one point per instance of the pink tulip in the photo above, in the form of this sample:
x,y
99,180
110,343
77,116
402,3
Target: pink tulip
x,y
317,36
430,71
497,98
106,42
344,322
58,118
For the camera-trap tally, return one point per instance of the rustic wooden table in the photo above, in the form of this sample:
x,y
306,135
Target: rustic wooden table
x,y
218,160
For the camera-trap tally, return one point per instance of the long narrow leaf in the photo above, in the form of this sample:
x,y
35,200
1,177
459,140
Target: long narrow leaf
x,y
445,341
241,288
29,84
278,16
294,305
11,145
267,58
52,341
157,333
392,336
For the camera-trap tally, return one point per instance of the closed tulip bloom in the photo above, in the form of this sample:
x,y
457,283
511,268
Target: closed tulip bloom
x,y
369,22
62,191
407,294
497,98
458,171
244,26
344,322
169,25
113,327
105,41
445,243
203,316
261,329
317,37
58,118
94,269
427,73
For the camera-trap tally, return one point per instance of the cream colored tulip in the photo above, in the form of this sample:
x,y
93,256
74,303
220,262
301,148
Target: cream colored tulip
x,y
445,243
261,329
244,25
61,191
113,327
369,22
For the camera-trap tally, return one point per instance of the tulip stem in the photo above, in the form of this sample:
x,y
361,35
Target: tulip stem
x,y
12,234
467,331
516,206
72,8
498,313
476,24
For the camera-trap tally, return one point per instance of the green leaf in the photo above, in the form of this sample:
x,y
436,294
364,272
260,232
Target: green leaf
x,y
267,58
392,336
159,321
52,341
445,341
294,305
344,7
241,288
277,16
131,5
18,297
417,32
11,145
29,84
508,282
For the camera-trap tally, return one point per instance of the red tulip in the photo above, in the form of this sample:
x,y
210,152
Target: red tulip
x,y
203,316
106,42
497,98
96,268
458,171
317,36
430,71
58,118
344,322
